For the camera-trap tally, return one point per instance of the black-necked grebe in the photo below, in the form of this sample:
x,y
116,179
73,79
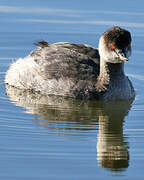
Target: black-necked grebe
x,y
77,70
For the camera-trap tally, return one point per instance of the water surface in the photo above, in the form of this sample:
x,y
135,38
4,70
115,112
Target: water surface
x,y
62,138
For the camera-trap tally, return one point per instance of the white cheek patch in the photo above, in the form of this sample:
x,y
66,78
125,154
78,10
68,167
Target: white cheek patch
x,y
110,55
105,54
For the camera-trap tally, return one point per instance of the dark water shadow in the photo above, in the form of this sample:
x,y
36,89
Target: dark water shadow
x,y
61,113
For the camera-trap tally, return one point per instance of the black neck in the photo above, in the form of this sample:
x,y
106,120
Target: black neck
x,y
109,72
116,69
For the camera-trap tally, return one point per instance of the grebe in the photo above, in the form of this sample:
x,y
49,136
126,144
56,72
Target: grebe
x,y
77,70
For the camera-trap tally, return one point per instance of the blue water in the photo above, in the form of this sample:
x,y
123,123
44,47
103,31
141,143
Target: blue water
x,y
56,138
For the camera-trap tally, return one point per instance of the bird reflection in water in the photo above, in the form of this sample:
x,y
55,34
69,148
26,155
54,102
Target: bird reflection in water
x,y
112,147
61,113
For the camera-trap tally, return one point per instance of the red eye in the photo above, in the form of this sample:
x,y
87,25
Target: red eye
x,y
112,47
